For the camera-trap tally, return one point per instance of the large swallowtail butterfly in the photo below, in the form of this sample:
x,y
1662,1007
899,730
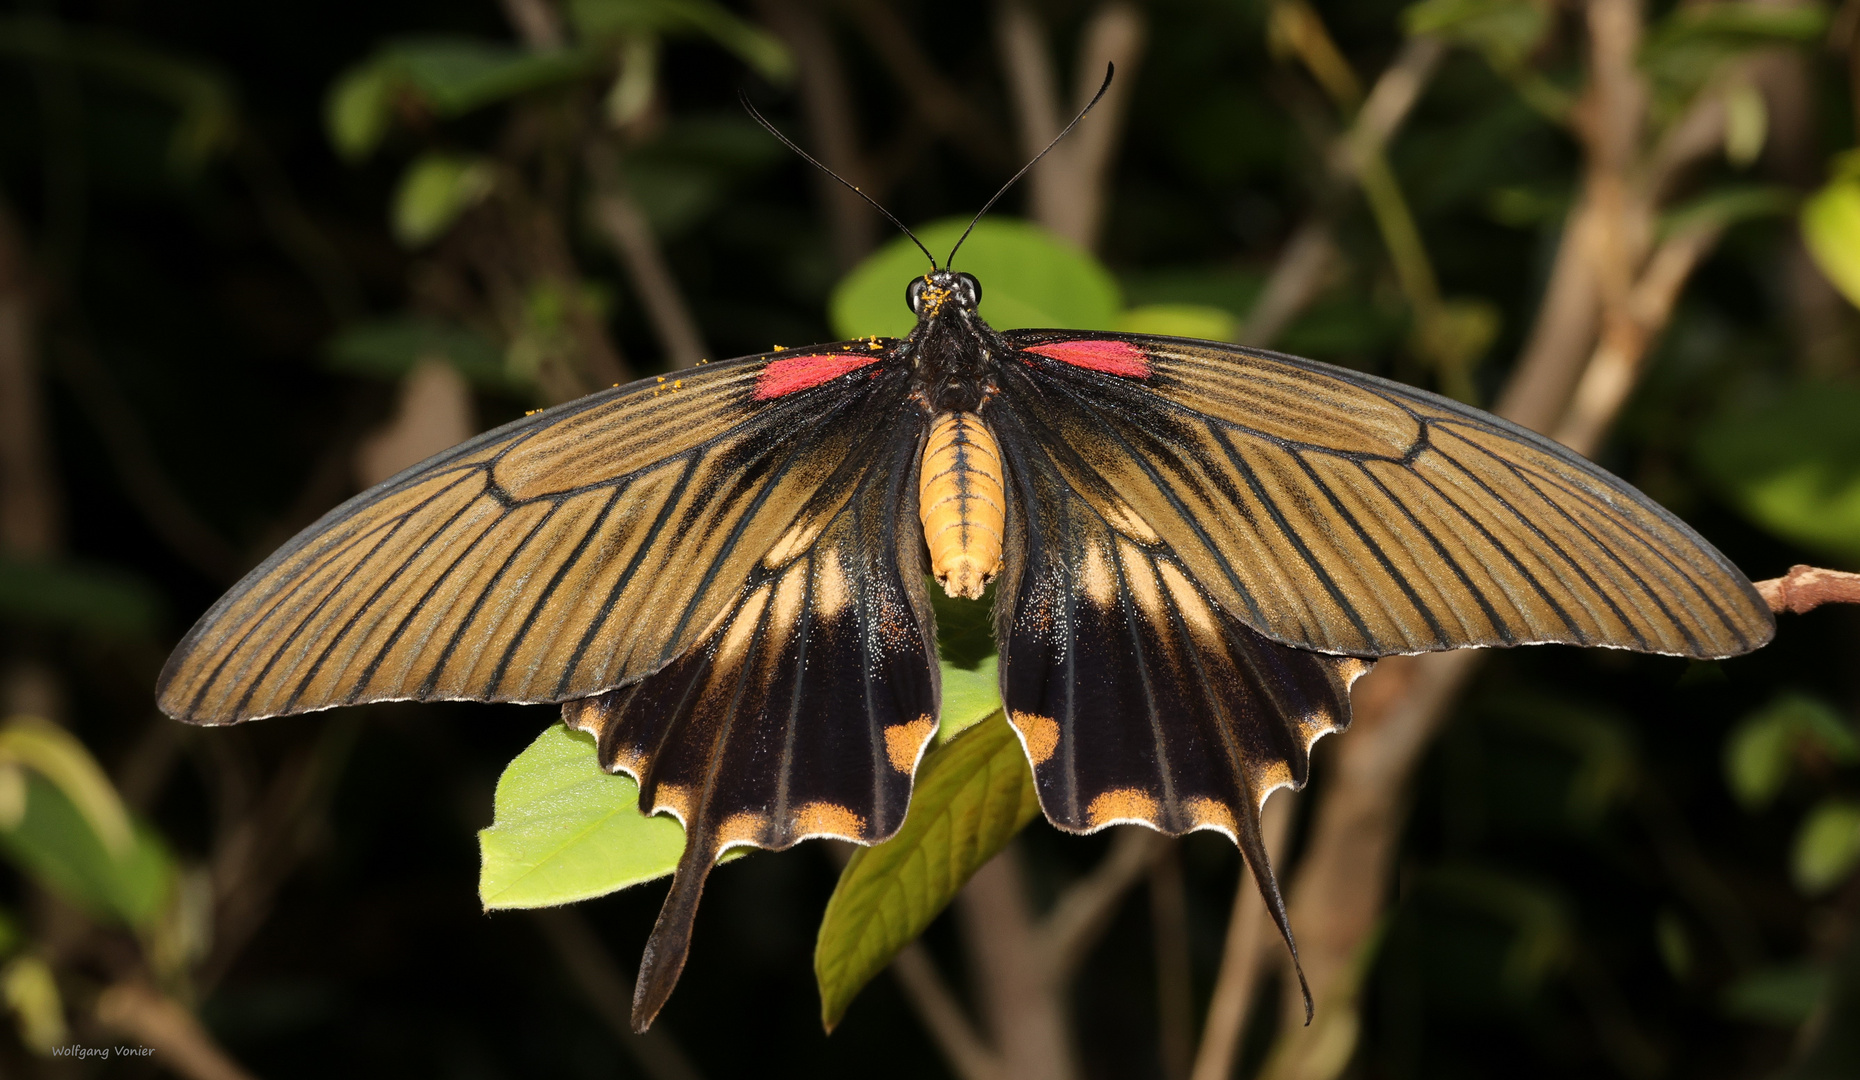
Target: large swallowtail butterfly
x,y
723,577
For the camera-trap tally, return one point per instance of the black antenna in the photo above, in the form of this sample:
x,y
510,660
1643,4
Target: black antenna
x,y
809,158
1109,70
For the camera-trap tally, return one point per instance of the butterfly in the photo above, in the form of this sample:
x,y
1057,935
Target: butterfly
x,y
724,577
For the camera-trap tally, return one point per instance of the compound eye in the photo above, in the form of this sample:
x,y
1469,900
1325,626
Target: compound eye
x,y
914,294
968,291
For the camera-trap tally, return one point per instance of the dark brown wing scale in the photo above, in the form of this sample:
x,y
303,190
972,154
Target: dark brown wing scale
x,y
803,710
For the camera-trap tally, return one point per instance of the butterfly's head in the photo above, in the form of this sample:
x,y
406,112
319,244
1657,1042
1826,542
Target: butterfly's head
x,y
928,295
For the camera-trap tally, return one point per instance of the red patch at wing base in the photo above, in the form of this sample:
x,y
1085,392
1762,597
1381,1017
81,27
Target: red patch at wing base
x,y
787,375
1098,354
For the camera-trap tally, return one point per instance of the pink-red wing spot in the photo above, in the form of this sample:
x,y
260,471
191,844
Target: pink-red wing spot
x,y
792,373
1098,354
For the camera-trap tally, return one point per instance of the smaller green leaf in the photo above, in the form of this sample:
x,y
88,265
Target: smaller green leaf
x,y
455,75
972,795
357,110
1831,229
1782,996
563,829
95,599
52,752
1506,31
434,191
56,845
1827,846
1030,278
391,348
1181,320
752,45
1792,464
1760,750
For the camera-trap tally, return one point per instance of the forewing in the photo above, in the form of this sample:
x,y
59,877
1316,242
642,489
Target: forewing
x,y
803,710
1337,511
568,553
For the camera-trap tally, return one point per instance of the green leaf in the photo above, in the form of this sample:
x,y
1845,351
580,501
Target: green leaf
x,y
1760,750
968,697
27,742
972,795
1030,278
390,348
1181,320
1727,206
564,830
455,75
1506,31
1827,846
755,47
1831,229
434,191
357,110
1782,996
56,845
78,596
1792,465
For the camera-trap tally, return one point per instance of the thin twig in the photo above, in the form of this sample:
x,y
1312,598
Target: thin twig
x,y
1805,588
961,1044
609,993
1022,992
827,103
536,22
119,429
161,1024
1175,995
941,103
624,225
1084,910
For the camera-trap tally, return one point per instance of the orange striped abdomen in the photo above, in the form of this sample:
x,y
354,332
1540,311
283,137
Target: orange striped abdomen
x,y
960,498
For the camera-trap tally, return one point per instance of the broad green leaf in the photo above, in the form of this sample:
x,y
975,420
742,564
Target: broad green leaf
x,y
563,829
357,110
390,348
1782,996
434,191
1181,320
1831,229
95,599
972,795
1029,276
56,845
1760,750
1793,465
968,697
1827,847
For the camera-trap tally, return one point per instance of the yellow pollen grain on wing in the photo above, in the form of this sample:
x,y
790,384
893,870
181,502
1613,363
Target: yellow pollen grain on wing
x,y
902,741
818,818
1120,804
1205,812
1040,734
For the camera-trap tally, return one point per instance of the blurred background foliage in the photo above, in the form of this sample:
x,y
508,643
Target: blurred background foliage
x,y
254,257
